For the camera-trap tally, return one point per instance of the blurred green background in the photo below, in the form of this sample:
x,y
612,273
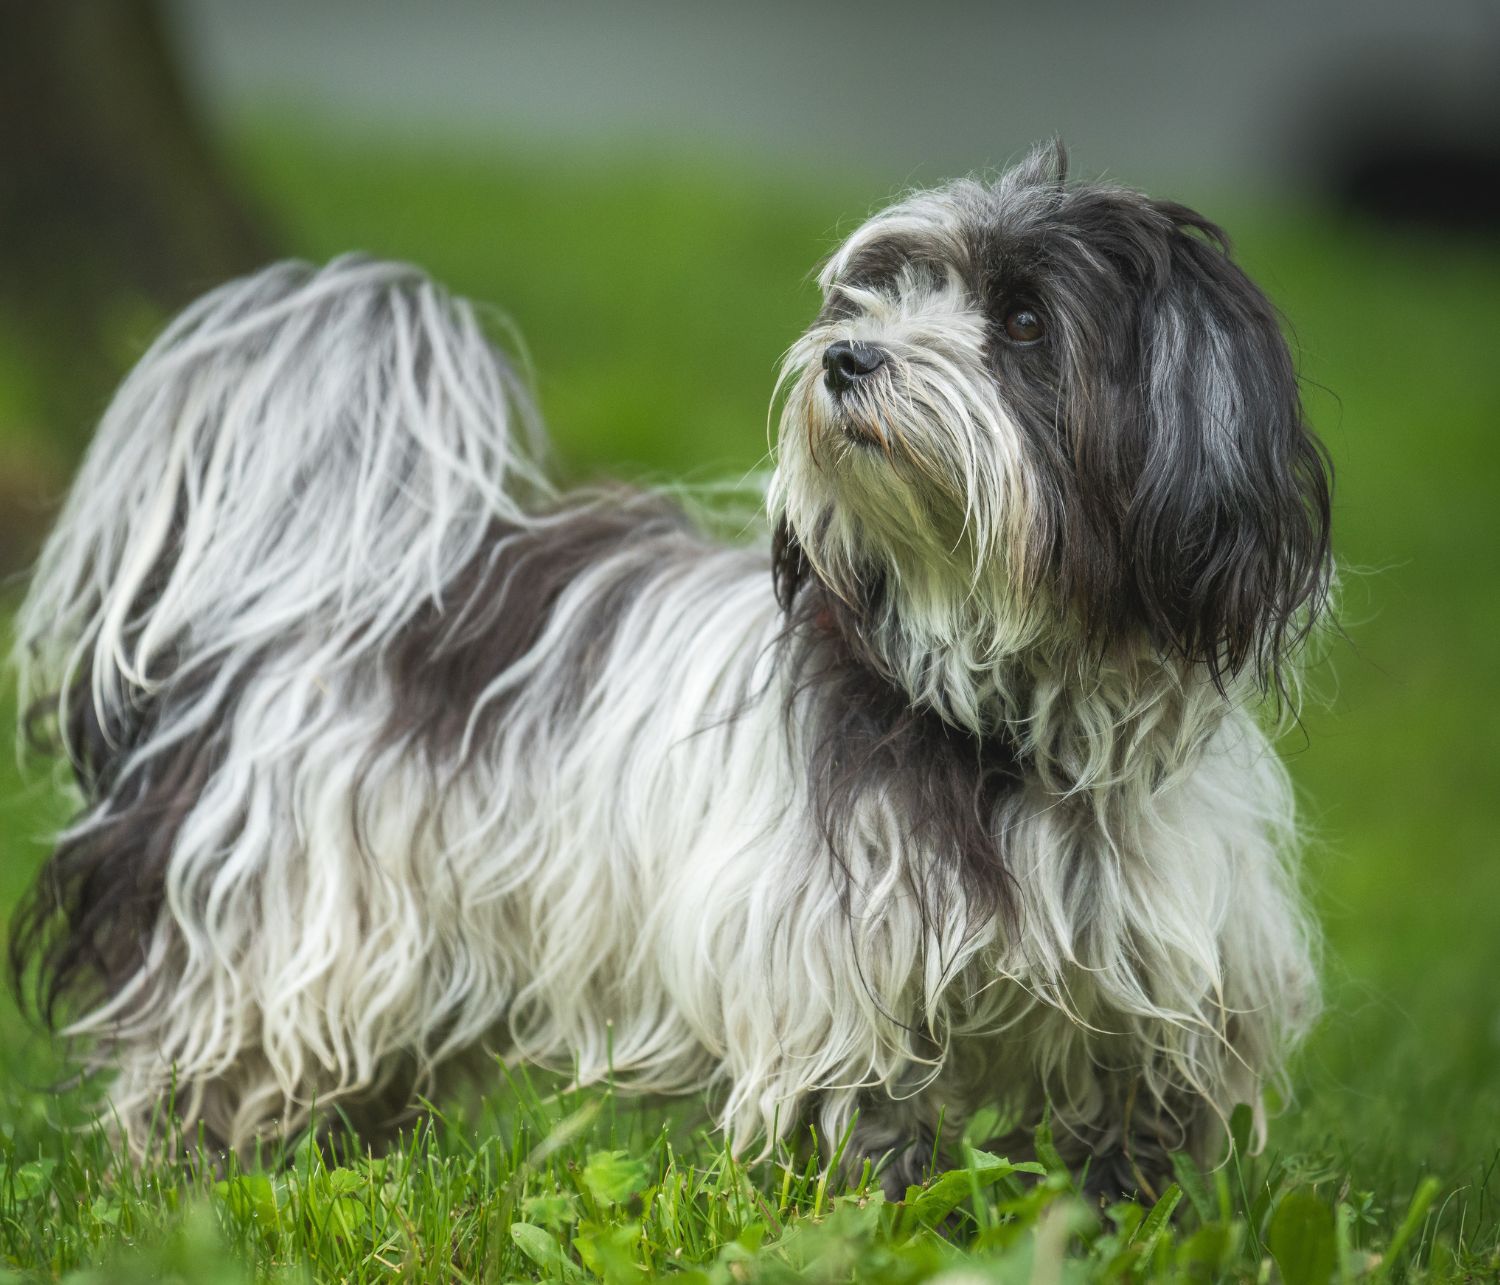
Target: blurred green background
x,y
657,265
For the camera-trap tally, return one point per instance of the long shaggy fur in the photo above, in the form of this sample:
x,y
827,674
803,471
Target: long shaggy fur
x,y
388,751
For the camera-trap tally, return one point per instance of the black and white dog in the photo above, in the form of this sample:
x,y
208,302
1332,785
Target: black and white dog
x,y
946,794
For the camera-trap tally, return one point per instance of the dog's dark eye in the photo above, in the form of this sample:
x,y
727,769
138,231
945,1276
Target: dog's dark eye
x,y
1024,325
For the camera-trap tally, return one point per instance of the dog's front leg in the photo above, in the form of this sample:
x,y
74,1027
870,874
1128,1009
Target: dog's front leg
x,y
899,1138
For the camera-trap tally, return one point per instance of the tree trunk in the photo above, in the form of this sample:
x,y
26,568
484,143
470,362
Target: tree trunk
x,y
114,209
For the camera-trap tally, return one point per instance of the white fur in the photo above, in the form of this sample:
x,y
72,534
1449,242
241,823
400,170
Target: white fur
x,y
633,882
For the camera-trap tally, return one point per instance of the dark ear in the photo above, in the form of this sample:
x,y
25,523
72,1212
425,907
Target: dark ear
x,y
1227,533
789,567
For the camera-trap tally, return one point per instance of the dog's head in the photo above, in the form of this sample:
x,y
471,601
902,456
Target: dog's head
x,y
1035,414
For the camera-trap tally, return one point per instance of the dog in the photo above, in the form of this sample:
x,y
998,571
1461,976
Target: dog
x,y
948,792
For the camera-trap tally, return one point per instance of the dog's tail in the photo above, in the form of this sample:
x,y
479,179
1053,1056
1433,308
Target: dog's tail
x,y
301,448
299,467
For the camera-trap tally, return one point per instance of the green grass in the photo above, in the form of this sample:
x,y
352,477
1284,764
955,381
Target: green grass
x,y
655,297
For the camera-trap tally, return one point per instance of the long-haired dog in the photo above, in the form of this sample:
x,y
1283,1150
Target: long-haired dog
x,y
946,794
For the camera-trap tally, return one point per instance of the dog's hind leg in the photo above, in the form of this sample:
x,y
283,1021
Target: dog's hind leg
x,y
252,911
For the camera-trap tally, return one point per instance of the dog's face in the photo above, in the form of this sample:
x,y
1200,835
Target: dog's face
x,y
1034,414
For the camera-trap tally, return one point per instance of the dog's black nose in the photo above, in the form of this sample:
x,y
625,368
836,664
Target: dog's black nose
x,y
845,364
